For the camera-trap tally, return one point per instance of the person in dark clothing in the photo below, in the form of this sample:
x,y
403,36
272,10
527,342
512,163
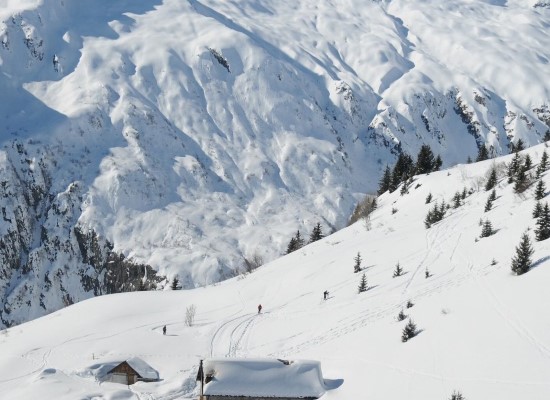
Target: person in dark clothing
x,y
164,330
259,308
325,294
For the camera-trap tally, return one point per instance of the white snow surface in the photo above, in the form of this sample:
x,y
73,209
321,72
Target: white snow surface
x,y
191,134
483,331
260,377
142,368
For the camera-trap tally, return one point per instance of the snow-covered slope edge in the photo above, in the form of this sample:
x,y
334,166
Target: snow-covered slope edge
x,y
191,134
483,330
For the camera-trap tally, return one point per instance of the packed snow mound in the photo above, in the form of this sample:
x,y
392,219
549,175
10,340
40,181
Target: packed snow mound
x,y
189,135
264,377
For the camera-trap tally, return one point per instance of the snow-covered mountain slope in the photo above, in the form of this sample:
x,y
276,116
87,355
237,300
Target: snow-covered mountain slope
x,y
483,330
186,135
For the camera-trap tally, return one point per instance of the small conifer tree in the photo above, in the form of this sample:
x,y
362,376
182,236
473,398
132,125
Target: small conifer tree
x,y
438,163
427,273
316,234
429,198
543,224
492,179
464,193
175,283
409,304
488,204
521,182
291,246
521,262
357,266
409,331
540,190
528,163
487,229
543,165
398,271
514,168
401,316
457,396
456,200
537,211
385,181
482,153
519,146
362,284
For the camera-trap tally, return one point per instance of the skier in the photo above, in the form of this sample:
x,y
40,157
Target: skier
x,y
325,294
164,330
259,308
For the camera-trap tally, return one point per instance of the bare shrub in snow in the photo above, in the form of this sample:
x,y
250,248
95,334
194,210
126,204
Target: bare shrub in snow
x,y
190,315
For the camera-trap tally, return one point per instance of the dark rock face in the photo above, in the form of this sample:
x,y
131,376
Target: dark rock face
x,y
47,260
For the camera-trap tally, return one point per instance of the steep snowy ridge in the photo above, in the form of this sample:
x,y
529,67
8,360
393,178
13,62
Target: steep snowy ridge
x,y
483,331
186,135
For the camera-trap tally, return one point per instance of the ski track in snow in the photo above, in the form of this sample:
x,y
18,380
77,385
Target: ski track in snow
x,y
520,328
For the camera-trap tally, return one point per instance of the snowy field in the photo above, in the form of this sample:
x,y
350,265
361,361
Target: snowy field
x,y
483,331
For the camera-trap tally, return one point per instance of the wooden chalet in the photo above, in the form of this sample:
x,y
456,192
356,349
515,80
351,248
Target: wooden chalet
x,y
131,371
260,379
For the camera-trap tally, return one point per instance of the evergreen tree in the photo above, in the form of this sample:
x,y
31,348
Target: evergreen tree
x,y
409,331
464,193
514,167
398,271
316,234
528,163
469,160
429,220
401,316
537,211
457,200
519,146
490,200
291,246
385,182
363,284
457,396
429,198
544,161
297,242
521,262
427,273
402,170
543,224
438,163
425,161
409,304
487,229
547,135
175,283
492,180
141,286
521,181
482,153
357,266
404,188
540,190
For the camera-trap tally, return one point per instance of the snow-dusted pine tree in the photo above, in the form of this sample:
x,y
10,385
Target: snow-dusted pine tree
x,y
357,266
521,262
363,284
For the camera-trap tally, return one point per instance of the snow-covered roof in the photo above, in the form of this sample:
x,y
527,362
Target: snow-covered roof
x,y
263,377
142,368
